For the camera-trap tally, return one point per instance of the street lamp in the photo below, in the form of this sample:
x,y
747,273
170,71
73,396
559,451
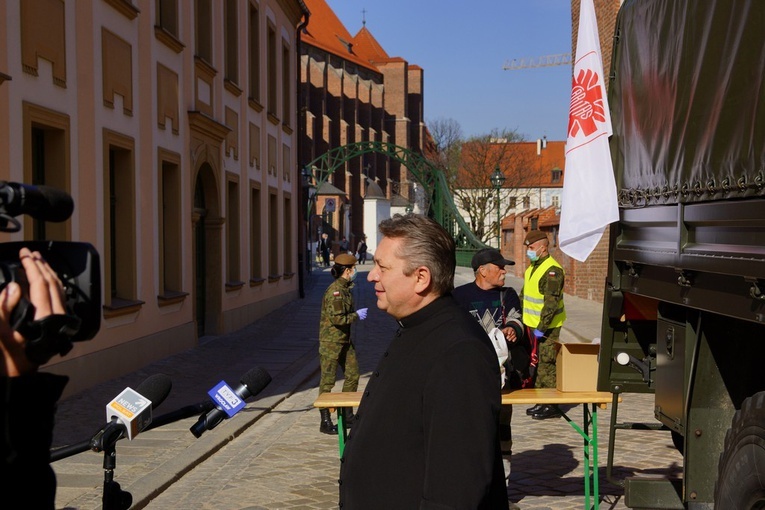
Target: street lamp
x,y
497,180
310,197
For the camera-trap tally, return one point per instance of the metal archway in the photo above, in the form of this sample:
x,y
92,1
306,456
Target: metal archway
x,y
441,205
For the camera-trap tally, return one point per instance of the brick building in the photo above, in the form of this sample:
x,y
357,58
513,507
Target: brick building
x,y
352,91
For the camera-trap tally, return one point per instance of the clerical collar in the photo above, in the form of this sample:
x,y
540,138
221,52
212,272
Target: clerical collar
x,y
427,312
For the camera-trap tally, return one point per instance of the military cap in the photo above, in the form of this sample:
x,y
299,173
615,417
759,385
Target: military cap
x,y
345,259
489,256
533,236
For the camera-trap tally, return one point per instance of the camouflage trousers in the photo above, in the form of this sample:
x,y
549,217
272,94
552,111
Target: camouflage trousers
x,y
546,372
332,355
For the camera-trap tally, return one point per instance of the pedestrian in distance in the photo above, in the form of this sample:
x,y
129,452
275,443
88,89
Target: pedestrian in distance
x,y
361,250
335,345
344,246
425,434
324,249
543,315
498,309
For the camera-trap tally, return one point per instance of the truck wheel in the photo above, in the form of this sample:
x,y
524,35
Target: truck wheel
x,y
741,477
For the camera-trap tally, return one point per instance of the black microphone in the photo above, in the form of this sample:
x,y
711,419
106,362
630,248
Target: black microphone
x,y
130,412
40,202
251,383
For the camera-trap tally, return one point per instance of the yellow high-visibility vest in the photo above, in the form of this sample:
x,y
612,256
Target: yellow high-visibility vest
x,y
534,301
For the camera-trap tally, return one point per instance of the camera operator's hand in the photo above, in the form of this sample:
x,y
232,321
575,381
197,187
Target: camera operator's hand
x,y
45,293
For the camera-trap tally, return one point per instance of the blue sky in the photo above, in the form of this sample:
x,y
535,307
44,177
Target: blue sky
x,y
463,46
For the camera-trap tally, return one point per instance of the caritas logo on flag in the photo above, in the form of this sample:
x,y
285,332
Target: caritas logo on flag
x,y
588,200
588,113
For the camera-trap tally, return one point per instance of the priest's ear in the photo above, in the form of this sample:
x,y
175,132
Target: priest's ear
x,y
423,280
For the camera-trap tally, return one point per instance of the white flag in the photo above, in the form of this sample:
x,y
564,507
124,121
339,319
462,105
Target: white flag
x,y
588,201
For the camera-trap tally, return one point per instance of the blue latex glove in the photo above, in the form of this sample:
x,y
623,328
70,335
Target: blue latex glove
x,y
362,313
539,334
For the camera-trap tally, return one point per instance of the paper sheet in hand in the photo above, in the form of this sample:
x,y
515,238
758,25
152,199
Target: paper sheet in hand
x,y
500,346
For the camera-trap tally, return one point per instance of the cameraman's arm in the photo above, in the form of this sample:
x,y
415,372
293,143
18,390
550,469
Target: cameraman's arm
x,y
15,362
45,293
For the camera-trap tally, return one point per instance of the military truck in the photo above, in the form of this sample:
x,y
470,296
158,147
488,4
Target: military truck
x,y
684,306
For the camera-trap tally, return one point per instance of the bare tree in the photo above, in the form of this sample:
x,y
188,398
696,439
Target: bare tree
x,y
472,188
468,165
447,137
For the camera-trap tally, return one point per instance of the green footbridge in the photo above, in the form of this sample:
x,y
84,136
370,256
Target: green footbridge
x,y
440,203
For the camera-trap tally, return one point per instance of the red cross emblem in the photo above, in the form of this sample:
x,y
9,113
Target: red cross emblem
x,y
586,104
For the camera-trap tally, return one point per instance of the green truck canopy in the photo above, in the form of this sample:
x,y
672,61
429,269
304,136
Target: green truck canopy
x,y
687,102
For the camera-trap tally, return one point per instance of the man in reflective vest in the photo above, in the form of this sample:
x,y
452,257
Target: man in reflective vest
x,y
543,314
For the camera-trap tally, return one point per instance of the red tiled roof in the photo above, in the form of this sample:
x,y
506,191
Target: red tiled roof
x,y
367,46
326,31
547,217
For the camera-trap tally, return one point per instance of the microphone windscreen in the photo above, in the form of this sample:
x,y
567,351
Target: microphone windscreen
x,y
60,205
156,388
256,380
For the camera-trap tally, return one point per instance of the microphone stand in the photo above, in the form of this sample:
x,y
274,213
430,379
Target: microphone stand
x,y
114,498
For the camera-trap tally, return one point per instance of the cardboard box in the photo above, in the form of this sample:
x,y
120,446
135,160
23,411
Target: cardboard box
x,y
577,366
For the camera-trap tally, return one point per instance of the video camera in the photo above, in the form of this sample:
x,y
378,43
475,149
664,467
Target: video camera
x,y
76,264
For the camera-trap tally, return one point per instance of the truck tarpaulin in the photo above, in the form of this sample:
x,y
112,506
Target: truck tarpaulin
x,y
684,122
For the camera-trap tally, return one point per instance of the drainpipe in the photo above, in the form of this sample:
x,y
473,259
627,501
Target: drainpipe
x,y
298,149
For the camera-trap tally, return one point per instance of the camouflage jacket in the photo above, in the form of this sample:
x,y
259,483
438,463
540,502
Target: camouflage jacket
x,y
337,312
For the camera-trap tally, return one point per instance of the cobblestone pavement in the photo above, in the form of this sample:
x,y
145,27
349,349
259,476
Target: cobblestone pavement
x,y
272,456
283,462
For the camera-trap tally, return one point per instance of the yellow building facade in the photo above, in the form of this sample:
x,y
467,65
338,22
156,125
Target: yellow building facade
x,y
172,124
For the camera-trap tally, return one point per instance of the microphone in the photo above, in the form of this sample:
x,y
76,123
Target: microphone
x,y
229,402
130,411
40,202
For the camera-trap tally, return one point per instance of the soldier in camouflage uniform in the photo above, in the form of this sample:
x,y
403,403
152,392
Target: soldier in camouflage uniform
x,y
543,314
335,346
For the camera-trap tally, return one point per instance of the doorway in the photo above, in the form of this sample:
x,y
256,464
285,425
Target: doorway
x,y
207,227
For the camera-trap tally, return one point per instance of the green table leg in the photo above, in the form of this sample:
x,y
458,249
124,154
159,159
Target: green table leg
x,y
342,432
591,501
587,467
594,445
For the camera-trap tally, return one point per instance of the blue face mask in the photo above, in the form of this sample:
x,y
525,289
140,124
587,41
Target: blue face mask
x,y
353,276
532,255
